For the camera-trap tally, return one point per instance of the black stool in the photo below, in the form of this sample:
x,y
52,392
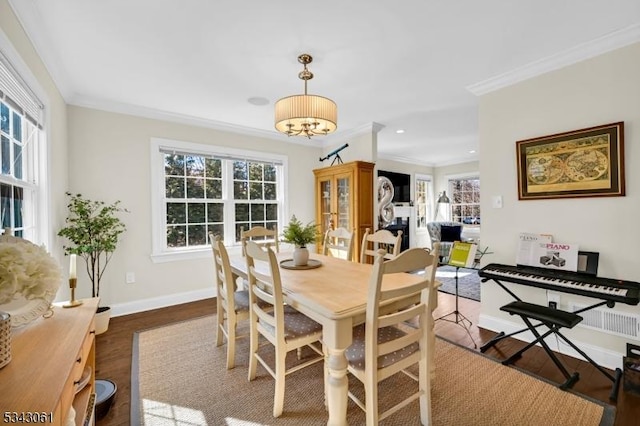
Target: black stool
x,y
554,320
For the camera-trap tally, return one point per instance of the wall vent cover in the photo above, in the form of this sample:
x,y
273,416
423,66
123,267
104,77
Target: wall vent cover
x,y
609,321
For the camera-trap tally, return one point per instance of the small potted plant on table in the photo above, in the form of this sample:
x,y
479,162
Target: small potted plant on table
x,y
300,235
93,228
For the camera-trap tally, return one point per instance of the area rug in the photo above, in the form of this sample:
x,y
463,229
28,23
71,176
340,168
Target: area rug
x,y
179,378
468,281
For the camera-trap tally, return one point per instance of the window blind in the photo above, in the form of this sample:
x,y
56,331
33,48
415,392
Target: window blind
x,y
16,89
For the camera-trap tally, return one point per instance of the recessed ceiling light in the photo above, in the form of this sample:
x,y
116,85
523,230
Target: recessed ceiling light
x,y
258,101
399,131
473,151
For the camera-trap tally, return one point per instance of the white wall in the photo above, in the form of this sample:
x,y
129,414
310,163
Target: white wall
x,y
601,90
109,160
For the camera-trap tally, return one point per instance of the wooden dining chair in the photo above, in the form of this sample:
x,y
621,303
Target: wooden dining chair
x,y
262,236
232,306
338,243
384,345
281,325
381,239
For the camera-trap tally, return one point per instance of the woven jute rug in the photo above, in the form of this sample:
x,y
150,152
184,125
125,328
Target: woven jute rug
x,y
179,378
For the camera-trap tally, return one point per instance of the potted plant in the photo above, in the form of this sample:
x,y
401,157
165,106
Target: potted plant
x,y
93,228
300,235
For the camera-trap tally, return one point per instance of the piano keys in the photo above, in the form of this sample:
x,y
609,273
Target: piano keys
x,y
608,289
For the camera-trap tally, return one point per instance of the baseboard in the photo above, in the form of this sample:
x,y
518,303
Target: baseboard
x,y
605,358
160,302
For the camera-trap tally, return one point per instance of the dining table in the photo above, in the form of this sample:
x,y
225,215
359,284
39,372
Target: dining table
x,y
334,294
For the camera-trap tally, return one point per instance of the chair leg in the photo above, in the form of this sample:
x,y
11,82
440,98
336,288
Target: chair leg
x,y
231,344
278,398
424,381
371,402
431,345
220,325
253,348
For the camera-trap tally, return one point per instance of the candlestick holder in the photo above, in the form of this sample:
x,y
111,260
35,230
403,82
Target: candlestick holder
x,y
73,302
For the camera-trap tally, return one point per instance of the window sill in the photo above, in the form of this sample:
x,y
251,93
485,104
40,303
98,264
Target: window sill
x,y
200,253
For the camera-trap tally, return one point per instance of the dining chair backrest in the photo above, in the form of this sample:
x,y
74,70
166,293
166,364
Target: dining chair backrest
x,y
266,237
223,276
231,305
338,243
412,260
389,345
381,239
433,296
265,285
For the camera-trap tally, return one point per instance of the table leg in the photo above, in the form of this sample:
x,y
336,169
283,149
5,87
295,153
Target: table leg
x,y
337,336
337,387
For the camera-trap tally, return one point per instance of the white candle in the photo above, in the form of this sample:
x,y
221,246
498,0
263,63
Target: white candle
x,y
72,266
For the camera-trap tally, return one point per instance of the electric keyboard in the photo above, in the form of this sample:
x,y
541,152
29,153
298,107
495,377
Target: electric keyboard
x,y
627,292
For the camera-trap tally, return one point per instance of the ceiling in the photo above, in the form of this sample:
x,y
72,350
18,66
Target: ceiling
x,y
407,64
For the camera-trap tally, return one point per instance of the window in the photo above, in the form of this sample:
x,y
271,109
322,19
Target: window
x,y
255,189
212,189
424,190
465,200
21,166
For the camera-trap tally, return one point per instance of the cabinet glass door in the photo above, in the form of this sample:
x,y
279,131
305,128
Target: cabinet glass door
x,y
325,205
343,200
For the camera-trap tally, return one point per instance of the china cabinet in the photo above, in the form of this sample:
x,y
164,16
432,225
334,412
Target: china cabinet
x,y
344,198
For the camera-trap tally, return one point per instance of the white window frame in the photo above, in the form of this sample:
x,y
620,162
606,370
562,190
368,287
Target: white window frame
x,y
37,217
461,176
159,252
428,202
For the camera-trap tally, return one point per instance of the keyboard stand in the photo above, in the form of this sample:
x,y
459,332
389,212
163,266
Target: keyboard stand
x,y
553,319
458,318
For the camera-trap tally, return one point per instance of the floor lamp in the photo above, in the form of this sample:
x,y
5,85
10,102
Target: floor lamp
x,y
443,201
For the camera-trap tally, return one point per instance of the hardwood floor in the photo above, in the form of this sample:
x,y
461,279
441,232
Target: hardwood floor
x,y
114,351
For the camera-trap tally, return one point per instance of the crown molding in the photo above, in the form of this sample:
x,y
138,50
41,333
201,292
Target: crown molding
x,y
365,129
155,114
406,160
604,44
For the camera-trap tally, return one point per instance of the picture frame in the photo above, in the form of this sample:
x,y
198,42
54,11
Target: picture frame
x,y
581,163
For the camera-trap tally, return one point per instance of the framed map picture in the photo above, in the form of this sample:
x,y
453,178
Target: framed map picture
x,y
581,163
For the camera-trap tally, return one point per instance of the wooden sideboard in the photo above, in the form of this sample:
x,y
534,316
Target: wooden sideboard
x,y
49,357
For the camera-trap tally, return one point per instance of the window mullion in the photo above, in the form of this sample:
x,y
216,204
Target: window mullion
x,y
229,203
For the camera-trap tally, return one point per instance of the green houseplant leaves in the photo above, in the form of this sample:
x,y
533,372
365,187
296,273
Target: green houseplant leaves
x,y
299,234
93,228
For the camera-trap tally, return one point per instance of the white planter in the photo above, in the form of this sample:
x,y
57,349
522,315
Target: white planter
x,y
102,319
300,256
